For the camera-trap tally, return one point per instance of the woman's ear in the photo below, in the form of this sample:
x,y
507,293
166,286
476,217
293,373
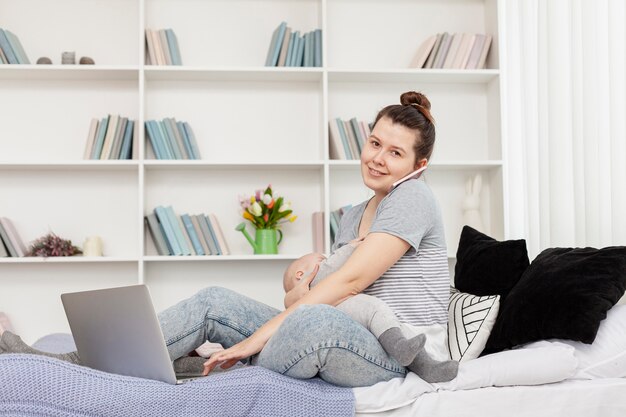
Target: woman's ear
x,y
422,162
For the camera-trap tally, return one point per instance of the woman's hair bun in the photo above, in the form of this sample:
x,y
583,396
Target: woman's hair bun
x,y
413,97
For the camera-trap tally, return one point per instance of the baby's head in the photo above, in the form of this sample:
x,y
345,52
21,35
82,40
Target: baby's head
x,y
300,268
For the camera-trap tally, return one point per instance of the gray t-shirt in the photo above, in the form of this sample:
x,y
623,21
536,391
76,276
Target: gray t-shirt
x,y
417,286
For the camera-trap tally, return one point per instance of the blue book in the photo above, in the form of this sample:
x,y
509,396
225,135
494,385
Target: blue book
x,y
290,48
277,41
166,147
7,49
300,56
102,130
126,151
291,60
171,138
354,123
154,139
17,47
180,238
172,42
305,58
216,244
344,138
312,50
206,233
180,126
192,140
318,47
170,236
193,236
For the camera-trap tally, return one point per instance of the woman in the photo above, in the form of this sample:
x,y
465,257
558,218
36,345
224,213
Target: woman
x,y
402,260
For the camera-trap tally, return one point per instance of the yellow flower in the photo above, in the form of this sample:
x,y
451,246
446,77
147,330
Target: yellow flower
x,y
293,218
248,216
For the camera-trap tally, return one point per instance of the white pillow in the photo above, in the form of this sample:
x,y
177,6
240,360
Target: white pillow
x,y
470,320
606,356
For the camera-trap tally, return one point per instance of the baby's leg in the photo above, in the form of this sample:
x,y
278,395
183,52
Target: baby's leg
x,y
375,315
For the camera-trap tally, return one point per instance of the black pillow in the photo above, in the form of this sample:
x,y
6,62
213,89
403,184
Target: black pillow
x,y
564,294
485,266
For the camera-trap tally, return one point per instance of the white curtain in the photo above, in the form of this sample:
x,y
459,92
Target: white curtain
x,y
565,90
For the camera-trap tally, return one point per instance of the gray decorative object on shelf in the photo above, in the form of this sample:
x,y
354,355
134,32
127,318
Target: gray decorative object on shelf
x,y
44,60
86,61
68,58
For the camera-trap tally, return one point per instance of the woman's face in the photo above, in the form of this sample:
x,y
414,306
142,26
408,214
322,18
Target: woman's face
x,y
387,156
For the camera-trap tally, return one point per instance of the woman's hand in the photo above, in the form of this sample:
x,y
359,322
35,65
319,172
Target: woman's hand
x,y
229,357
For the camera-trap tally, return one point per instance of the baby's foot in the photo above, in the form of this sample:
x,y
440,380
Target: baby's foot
x,y
399,347
12,343
431,370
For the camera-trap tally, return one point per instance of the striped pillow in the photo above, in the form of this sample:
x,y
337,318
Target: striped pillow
x,y
470,320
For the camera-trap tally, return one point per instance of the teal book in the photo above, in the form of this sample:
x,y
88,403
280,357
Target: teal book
x,y
312,50
171,139
172,42
292,36
102,130
7,49
300,56
126,151
191,231
17,47
293,53
216,245
318,47
163,217
344,138
307,48
154,139
180,238
357,133
166,146
180,126
192,140
208,237
158,237
277,41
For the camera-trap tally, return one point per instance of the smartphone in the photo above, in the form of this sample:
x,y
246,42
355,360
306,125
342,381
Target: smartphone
x,y
414,174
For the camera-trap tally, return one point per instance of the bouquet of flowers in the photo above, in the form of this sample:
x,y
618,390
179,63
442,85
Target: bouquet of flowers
x,y
266,212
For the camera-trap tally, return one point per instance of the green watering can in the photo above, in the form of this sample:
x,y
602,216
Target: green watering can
x,y
265,241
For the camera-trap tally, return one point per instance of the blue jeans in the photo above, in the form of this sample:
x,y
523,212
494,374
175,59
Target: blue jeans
x,y
315,340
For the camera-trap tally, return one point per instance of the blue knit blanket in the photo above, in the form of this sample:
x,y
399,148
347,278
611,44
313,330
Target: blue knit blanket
x,y
36,386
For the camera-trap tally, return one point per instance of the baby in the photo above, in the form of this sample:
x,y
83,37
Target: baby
x,y
371,312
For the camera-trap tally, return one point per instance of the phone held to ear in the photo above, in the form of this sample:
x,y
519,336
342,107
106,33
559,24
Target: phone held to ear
x,y
414,174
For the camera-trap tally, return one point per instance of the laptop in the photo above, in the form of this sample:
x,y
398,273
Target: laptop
x,y
116,330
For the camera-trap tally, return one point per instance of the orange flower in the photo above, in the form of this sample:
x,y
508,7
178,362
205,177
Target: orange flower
x,y
266,217
271,204
248,216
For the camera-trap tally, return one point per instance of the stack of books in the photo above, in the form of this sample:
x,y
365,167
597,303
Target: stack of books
x,y
113,137
11,244
291,49
162,47
335,220
347,138
185,235
11,51
172,140
454,51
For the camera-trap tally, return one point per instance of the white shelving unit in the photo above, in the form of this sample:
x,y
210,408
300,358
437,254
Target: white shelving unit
x,y
255,125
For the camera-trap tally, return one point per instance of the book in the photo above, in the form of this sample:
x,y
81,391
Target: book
x,y
171,139
4,237
193,237
442,51
110,136
292,41
300,57
208,234
421,55
163,218
452,51
17,47
135,140
172,42
185,233
157,234
275,44
307,47
102,129
7,49
474,55
3,57
165,46
318,47
3,251
173,131
466,52
166,145
192,141
357,134
91,138
344,138
158,48
178,230
433,52
485,51
153,139
335,145
219,234
150,48
318,231
201,239
13,236
354,147
117,140
282,57
126,149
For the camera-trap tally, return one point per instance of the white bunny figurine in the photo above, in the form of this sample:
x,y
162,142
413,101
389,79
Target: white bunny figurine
x,y
471,203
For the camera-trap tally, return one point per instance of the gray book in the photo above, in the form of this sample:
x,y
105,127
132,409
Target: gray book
x,y
206,232
173,130
443,51
7,242
433,52
198,229
3,251
116,147
157,235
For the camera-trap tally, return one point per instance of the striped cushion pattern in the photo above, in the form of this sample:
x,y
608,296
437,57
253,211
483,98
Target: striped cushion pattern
x,y
470,320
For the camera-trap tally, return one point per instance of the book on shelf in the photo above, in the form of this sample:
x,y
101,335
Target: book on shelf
x,y
335,220
210,240
453,51
200,234
11,239
162,47
110,138
170,139
221,239
318,231
347,138
288,48
11,48
157,234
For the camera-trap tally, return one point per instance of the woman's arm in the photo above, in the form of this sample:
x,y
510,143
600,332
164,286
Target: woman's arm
x,y
377,253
